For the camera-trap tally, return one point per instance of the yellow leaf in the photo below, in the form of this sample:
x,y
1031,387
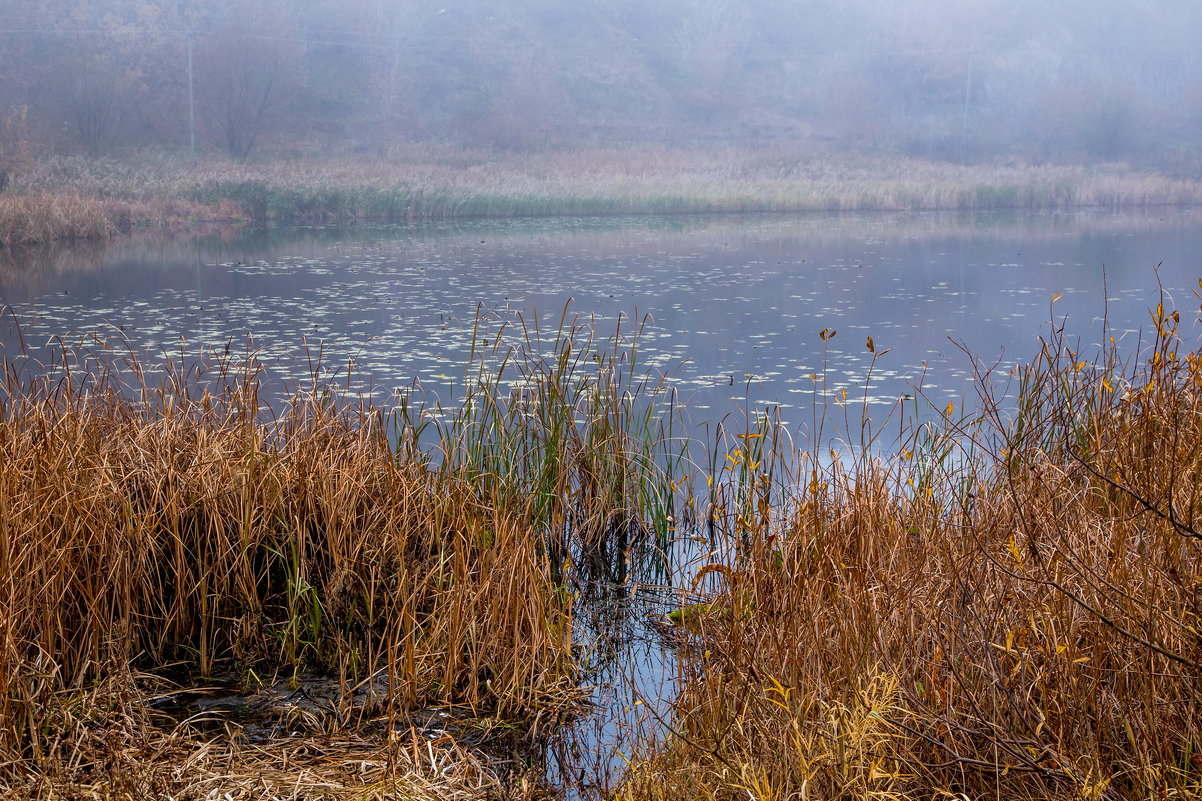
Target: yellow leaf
x,y
1015,552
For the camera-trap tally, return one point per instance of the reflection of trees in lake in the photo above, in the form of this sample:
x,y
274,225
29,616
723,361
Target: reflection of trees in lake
x,y
25,269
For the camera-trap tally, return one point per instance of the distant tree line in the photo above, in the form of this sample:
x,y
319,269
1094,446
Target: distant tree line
x,y
1071,80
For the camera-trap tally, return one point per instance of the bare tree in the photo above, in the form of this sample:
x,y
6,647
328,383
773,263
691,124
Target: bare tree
x,y
247,71
92,104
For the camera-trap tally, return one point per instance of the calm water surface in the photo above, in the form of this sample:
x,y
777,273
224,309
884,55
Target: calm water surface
x,y
735,305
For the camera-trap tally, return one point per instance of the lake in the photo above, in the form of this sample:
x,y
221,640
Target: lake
x,y
736,304
735,312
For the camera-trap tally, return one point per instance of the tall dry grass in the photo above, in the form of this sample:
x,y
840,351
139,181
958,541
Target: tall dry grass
x,y
145,524
1010,607
31,219
170,524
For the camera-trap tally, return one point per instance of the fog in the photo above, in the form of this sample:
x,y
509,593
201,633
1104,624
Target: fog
x,y
968,81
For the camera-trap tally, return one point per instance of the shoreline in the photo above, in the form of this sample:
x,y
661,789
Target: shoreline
x,y
73,198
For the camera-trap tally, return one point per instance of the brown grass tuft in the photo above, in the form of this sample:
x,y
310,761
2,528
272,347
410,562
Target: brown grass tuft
x,y
145,525
1010,608
40,218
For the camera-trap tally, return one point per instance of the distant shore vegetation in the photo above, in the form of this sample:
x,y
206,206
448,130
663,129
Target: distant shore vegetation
x,y
87,198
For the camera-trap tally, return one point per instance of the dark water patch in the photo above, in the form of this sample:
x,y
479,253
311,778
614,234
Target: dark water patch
x,y
631,671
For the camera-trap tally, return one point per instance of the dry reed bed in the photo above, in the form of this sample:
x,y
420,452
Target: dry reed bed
x,y
1010,609
175,524
170,524
433,184
45,217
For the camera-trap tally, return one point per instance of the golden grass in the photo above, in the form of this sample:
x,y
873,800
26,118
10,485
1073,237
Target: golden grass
x,y
43,217
1010,608
144,525
153,526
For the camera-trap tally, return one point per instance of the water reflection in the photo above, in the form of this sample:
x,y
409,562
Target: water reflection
x,y
630,665
736,304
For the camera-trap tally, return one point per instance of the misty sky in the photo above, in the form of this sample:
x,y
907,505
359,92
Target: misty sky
x,y
970,80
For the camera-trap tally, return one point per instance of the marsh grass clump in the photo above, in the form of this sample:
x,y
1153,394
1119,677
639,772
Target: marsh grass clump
x,y
37,219
148,523
567,427
168,525
43,218
1008,607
